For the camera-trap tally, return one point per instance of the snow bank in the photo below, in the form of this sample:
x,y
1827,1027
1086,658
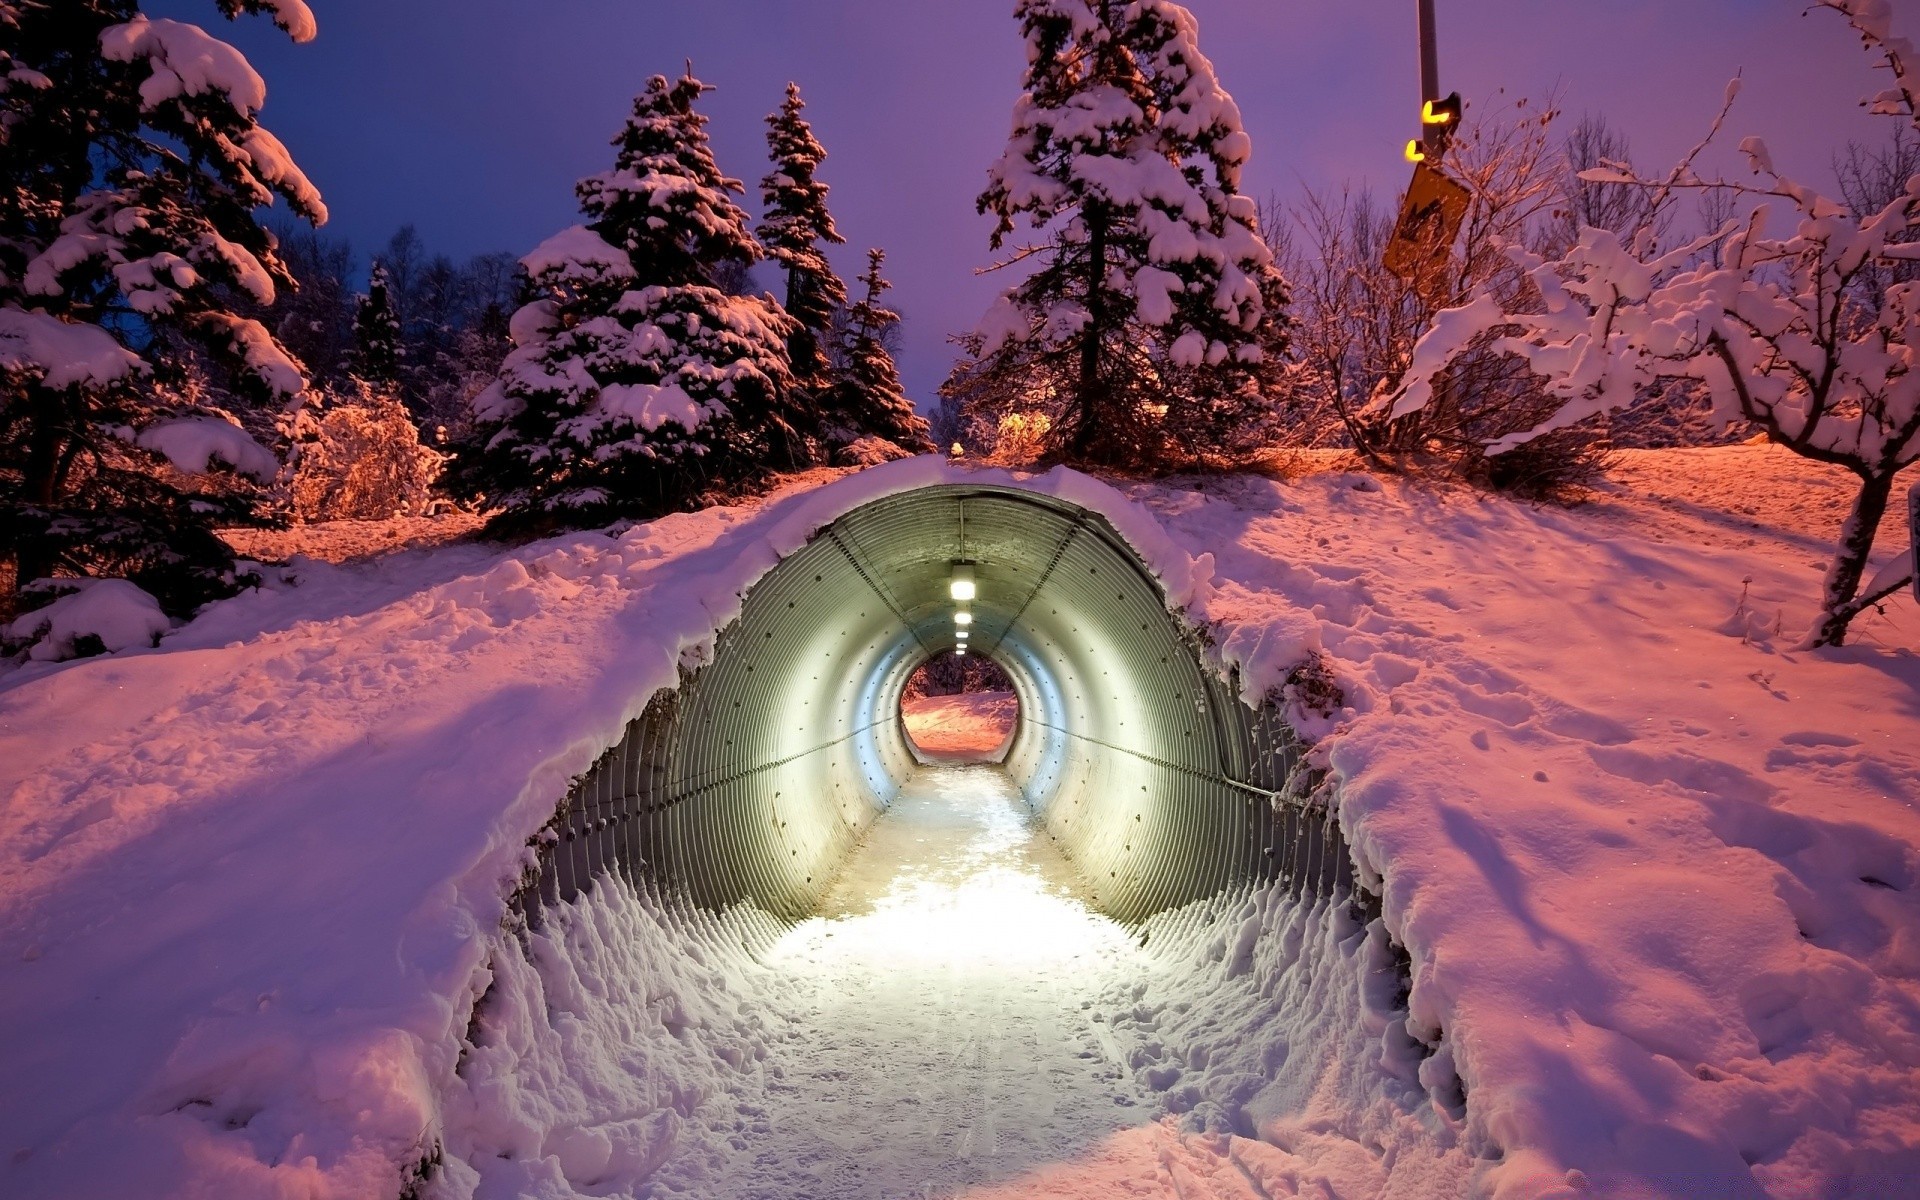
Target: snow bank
x,y
1658,882
112,612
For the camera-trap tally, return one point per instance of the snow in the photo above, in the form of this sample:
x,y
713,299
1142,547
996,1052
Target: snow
x,y
62,353
186,60
113,611
256,347
953,966
577,255
295,17
344,541
1655,874
650,405
195,444
965,726
976,1026
273,163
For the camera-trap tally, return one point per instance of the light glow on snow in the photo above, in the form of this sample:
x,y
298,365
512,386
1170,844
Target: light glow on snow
x,y
981,913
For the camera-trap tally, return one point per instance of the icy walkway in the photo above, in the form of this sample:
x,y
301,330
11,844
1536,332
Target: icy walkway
x,y
950,1042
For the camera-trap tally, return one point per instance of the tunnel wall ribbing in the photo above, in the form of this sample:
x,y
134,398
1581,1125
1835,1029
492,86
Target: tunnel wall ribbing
x,y
754,778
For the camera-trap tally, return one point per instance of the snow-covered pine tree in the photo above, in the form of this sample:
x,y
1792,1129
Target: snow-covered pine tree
x,y
132,167
1125,160
795,225
635,386
868,400
376,333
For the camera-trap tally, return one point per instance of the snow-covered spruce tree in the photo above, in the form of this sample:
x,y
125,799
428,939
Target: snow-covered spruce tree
x,y
635,386
868,400
1784,330
795,225
132,167
376,333
1125,161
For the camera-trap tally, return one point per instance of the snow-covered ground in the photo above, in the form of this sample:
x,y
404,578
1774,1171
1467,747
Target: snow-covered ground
x,y
342,541
957,1022
1656,871
968,725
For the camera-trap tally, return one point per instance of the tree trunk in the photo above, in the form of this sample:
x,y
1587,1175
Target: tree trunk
x,y
1090,402
46,449
1850,561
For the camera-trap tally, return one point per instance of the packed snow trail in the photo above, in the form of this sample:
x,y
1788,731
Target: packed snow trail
x,y
950,977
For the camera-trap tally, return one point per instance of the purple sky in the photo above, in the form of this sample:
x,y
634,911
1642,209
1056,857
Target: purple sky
x,y
472,118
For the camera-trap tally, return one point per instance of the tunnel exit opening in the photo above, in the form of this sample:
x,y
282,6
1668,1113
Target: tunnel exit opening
x,y
959,708
754,778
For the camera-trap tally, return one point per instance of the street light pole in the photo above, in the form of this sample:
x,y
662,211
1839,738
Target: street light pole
x,y
1429,54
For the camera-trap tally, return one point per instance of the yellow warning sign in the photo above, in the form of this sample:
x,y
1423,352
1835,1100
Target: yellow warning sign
x,y
1429,221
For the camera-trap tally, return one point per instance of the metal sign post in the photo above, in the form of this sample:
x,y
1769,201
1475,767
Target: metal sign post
x,y
1429,54
1435,203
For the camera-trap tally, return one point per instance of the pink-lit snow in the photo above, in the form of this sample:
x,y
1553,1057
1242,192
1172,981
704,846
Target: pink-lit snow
x,y
1655,871
970,725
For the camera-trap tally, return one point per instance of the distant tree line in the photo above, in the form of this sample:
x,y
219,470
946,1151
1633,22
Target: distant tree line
x,y
444,322
171,363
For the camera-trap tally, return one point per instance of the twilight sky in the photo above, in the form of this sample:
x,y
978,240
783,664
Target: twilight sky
x,y
472,118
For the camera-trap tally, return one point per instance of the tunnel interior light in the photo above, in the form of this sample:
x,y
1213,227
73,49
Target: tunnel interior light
x,y
961,587
960,651
961,634
963,617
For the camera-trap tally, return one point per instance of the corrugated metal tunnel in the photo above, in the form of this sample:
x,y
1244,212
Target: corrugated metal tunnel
x,y
756,776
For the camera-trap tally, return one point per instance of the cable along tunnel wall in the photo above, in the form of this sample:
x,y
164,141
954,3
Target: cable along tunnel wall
x,y
753,780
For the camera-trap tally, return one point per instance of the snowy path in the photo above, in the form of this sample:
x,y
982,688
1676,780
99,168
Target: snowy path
x,y
949,1045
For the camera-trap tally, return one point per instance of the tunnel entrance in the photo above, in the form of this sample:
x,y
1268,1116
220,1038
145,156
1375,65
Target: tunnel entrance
x,y
959,708
754,778
954,953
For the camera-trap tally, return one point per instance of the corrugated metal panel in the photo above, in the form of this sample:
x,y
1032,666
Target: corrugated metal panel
x,y
755,778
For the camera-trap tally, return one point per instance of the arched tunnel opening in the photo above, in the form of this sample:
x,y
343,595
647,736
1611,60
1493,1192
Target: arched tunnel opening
x,y
959,707
756,776
852,968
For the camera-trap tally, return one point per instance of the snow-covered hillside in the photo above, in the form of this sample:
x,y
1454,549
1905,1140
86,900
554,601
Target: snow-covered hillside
x,y
964,726
1655,870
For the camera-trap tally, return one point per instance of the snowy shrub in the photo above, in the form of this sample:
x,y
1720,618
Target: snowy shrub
x,y
1021,437
1311,693
952,674
363,460
1356,322
868,452
85,617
